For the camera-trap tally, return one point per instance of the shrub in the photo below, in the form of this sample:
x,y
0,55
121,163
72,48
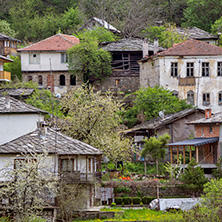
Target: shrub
x,y
136,200
127,200
113,204
118,200
4,219
147,200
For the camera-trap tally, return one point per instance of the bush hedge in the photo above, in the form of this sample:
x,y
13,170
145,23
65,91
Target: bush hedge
x,y
127,200
136,200
118,200
147,199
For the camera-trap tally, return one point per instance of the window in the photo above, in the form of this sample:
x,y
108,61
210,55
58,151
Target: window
x,y
64,58
210,129
40,82
174,69
190,97
67,165
72,80
206,99
175,93
205,69
190,69
62,80
220,98
219,69
34,58
29,78
117,82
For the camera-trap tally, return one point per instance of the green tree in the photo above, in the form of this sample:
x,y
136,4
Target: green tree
x,y
99,34
217,173
93,118
202,14
5,28
193,178
148,102
14,67
167,35
87,60
155,147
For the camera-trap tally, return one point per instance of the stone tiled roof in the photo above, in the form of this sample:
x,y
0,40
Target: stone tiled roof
x,y
195,33
158,122
216,118
16,92
58,42
53,142
6,37
192,48
11,105
128,44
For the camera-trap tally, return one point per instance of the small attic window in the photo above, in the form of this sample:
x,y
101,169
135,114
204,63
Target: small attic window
x,y
34,58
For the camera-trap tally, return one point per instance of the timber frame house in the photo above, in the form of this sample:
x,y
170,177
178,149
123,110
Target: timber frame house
x,y
205,148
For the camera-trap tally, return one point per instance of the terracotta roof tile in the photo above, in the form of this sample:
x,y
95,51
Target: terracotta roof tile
x,y
192,48
58,42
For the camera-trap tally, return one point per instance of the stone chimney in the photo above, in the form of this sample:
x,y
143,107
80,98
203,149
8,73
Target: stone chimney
x,y
156,45
207,113
145,48
41,125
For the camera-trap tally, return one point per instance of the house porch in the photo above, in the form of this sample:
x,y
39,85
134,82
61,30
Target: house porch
x,y
203,150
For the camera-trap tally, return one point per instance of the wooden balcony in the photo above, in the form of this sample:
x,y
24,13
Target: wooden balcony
x,y
77,177
188,81
5,76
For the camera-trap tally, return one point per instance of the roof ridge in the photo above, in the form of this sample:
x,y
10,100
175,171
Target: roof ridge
x,y
62,35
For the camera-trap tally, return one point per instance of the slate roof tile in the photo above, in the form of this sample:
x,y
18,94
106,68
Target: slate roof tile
x,y
33,142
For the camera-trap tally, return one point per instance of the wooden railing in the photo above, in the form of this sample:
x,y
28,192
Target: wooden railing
x,y
188,81
5,76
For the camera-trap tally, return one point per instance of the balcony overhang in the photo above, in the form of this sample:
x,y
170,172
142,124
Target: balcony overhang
x,y
5,76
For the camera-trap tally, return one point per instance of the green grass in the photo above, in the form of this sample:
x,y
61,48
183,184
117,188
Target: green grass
x,y
141,214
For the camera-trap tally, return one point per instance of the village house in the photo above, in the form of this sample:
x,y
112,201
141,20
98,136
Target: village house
x,y
46,63
192,70
8,45
17,118
96,22
23,131
4,75
205,148
125,69
198,34
173,124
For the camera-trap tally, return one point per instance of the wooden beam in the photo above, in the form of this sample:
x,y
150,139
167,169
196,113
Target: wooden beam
x,y
171,155
184,155
190,154
197,153
177,154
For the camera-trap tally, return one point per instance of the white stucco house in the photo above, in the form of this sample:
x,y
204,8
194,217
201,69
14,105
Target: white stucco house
x,y
46,63
192,70
17,118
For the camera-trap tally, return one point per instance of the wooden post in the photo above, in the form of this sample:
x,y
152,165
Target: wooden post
x,y
190,154
197,157
177,154
171,155
184,162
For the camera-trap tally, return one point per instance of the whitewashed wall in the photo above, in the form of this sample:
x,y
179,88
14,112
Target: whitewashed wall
x,y
44,64
15,125
211,84
1,66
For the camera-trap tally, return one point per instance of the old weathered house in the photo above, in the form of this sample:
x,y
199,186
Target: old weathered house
x,y
96,22
8,45
192,70
45,63
125,69
4,75
205,148
198,34
173,124
17,93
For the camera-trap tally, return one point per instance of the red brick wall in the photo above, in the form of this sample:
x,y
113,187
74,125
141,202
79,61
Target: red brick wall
x,y
204,131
